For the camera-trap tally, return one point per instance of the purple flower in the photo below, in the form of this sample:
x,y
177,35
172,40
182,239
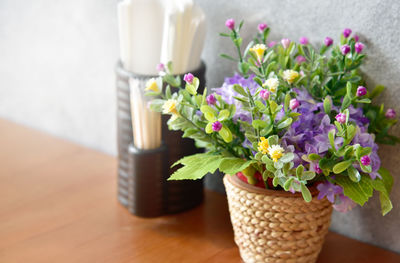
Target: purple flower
x,y
300,59
356,38
230,23
344,204
365,160
366,139
211,100
294,103
227,94
160,67
285,42
216,126
345,49
262,27
328,41
303,40
361,91
390,113
329,190
188,78
341,118
271,44
264,94
359,47
347,32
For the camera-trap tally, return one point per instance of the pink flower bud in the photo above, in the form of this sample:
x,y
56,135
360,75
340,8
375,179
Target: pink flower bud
x,y
264,94
211,100
328,41
345,49
300,59
365,160
188,78
303,40
361,91
317,169
294,103
262,27
230,23
356,38
285,42
347,32
390,113
341,118
359,47
216,126
272,43
160,67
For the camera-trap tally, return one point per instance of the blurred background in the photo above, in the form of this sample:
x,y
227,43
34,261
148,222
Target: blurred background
x,y
57,62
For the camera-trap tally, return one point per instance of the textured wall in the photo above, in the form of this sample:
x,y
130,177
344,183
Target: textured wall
x,y
57,59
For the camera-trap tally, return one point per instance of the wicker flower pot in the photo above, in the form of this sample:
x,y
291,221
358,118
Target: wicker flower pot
x,y
276,226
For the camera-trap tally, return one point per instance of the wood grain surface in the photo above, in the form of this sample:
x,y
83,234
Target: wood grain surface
x,y
58,204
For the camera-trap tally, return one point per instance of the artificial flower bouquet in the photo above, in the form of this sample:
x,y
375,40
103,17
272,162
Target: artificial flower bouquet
x,y
296,122
294,117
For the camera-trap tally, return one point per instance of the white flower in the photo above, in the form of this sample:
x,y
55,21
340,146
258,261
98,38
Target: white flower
x,y
276,152
272,84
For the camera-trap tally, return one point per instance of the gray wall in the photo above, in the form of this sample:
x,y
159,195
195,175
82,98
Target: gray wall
x,y
57,59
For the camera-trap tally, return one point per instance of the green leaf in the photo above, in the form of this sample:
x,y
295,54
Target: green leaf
x,y
349,91
328,105
226,134
272,140
288,157
365,100
266,160
259,124
209,128
306,193
340,167
233,165
273,106
191,89
189,132
285,123
346,102
314,156
156,105
288,183
299,170
224,114
228,57
376,91
239,89
359,192
354,175
307,175
331,136
259,105
196,166
287,101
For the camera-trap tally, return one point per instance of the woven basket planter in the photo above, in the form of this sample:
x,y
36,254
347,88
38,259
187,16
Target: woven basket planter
x,y
276,226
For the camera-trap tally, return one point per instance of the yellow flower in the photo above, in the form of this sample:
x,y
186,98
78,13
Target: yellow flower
x,y
276,152
272,84
259,50
169,107
290,75
152,85
263,145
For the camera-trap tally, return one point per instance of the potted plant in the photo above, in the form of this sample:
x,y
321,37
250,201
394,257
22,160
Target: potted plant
x,y
295,133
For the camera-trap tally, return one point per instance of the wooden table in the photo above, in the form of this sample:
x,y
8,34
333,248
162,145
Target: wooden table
x,y
58,204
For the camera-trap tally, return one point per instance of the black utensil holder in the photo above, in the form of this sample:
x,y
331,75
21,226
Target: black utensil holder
x,y
142,174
